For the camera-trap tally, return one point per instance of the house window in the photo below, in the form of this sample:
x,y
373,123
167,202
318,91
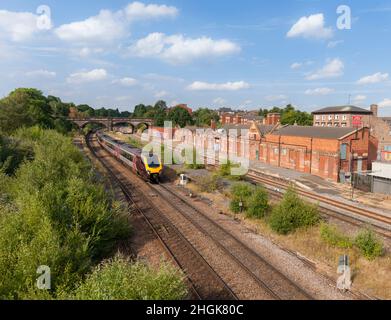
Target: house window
x,y
317,117
330,118
323,124
276,151
344,124
329,124
284,152
344,117
323,118
344,150
336,117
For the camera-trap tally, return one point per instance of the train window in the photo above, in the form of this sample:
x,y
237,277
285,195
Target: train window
x,y
153,161
127,155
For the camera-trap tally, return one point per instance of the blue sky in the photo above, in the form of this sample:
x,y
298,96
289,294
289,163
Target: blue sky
x,y
244,54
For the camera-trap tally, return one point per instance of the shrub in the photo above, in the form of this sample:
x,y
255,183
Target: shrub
x,y
258,203
55,215
240,192
369,245
209,184
119,279
293,213
225,171
332,236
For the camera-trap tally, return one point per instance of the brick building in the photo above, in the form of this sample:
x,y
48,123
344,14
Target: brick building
x,y
342,116
327,152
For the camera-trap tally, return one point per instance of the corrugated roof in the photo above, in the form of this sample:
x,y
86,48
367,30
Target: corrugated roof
x,y
314,132
343,109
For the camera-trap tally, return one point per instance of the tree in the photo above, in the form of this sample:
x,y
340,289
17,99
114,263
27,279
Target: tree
x,y
25,107
139,111
204,116
290,115
180,116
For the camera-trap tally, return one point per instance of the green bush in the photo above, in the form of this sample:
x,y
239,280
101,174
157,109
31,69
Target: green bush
x,y
258,203
240,192
292,213
369,245
225,171
55,215
332,236
119,279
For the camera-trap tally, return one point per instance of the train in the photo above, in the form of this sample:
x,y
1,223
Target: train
x,y
147,166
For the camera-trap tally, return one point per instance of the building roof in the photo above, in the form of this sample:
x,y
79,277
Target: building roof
x,y
265,129
252,117
343,109
314,132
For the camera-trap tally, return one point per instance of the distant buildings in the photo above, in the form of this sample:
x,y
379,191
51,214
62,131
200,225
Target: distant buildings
x,y
342,116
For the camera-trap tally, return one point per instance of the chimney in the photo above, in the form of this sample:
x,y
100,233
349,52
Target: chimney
x,y
375,109
213,124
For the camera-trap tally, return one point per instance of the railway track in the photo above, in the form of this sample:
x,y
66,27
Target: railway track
x,y
204,282
380,222
265,274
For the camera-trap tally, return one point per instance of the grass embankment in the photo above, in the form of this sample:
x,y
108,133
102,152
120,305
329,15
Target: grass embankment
x,y
53,212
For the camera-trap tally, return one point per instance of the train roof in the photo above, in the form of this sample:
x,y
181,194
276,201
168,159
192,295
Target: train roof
x,y
124,146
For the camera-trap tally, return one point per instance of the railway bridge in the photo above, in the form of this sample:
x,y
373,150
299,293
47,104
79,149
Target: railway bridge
x,y
109,123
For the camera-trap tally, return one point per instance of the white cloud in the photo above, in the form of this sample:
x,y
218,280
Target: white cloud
x,y
87,76
126,82
311,27
359,98
41,74
17,26
375,78
177,49
104,27
319,91
138,10
161,94
229,86
279,97
333,68
333,44
385,103
108,26
86,52
219,101
296,65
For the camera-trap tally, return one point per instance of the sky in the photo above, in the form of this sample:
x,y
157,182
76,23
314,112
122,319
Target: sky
x,y
245,54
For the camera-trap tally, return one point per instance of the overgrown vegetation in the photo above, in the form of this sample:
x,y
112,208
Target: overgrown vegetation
x,y
209,183
225,171
293,213
332,236
53,212
119,279
240,195
369,244
258,203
